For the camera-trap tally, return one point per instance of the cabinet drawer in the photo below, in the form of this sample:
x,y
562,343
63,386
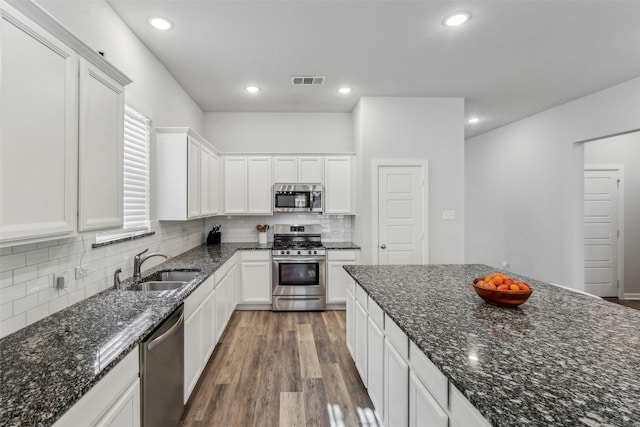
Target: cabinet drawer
x,y
256,255
396,336
462,412
334,255
195,299
361,296
429,375
376,314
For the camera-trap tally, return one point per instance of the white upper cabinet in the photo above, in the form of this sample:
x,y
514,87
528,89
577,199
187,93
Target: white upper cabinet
x,y
247,185
184,179
338,185
214,183
297,169
101,150
40,108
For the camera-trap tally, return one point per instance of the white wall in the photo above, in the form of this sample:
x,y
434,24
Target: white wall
x,y
153,87
524,185
624,150
280,132
429,129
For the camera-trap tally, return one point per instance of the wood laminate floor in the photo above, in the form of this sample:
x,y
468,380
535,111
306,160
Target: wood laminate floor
x,y
626,302
280,369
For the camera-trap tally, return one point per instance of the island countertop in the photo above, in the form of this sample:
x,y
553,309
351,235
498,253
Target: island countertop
x,y
562,358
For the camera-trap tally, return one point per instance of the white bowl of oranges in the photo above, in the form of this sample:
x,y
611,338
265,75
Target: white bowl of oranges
x,y
501,290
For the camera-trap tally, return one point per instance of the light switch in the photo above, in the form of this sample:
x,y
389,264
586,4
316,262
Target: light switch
x,y
449,215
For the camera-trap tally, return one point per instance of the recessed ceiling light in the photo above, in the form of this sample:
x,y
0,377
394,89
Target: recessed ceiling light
x,y
160,23
252,89
473,120
345,90
456,19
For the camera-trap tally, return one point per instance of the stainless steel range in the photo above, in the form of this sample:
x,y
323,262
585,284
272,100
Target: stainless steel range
x,y
299,268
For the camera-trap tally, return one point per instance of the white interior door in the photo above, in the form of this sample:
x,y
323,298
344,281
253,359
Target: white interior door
x,y
400,215
601,232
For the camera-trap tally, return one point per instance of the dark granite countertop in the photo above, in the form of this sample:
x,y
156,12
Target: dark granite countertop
x,y
49,365
340,245
561,359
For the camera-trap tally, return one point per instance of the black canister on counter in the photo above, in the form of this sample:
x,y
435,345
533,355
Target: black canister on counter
x,y
214,236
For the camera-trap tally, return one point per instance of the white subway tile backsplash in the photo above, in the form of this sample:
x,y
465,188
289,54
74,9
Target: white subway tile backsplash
x,y
36,285
25,274
35,314
6,278
13,324
6,311
48,244
23,304
77,247
6,251
37,256
58,251
58,304
25,248
12,293
48,267
10,262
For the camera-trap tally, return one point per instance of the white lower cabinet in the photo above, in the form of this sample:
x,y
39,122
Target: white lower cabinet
x,y
375,367
221,306
396,387
256,277
361,327
113,401
337,278
424,411
351,324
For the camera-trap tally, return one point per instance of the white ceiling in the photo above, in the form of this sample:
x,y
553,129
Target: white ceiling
x,y
512,59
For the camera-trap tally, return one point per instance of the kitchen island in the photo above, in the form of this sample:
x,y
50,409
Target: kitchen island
x,y
562,358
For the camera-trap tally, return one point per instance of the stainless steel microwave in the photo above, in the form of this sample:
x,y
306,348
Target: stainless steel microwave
x,y
297,198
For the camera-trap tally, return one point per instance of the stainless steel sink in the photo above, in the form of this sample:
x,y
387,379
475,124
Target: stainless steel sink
x,y
172,276
157,286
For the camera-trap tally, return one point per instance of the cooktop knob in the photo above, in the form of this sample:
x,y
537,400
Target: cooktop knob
x,y
315,252
288,252
309,252
299,252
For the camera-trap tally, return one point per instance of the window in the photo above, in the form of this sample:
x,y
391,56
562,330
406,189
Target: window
x,y
137,131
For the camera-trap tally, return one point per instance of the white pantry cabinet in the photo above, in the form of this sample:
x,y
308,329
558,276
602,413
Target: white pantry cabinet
x,y
113,401
43,112
247,185
337,278
297,169
256,278
338,185
101,150
184,178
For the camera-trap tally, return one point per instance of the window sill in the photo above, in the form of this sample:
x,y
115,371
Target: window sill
x,y
123,238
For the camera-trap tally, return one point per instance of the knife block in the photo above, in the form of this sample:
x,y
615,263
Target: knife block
x,y
214,238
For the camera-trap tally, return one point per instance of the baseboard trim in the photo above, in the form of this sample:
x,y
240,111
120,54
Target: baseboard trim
x,y
632,296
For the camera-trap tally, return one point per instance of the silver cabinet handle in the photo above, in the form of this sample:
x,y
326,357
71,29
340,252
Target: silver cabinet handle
x,y
162,337
383,246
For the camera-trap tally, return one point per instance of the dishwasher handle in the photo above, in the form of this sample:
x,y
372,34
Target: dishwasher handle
x,y
164,336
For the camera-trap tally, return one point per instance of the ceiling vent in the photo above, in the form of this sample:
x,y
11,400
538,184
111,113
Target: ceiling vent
x,y
307,80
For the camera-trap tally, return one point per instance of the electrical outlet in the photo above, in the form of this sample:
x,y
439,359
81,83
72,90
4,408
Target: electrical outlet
x,y
82,271
60,279
449,215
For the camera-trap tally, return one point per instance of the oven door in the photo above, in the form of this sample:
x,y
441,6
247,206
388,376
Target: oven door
x,y
299,276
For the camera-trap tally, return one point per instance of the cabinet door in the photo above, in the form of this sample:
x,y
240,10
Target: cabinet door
x,y
39,133
232,290
192,351
205,181
193,178
424,411
396,387
214,183
285,169
101,147
208,327
259,185
361,320
256,282
375,367
221,307
126,411
337,280
310,169
235,185
351,324
338,191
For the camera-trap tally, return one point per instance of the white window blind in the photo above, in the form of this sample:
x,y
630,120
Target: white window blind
x,y
137,130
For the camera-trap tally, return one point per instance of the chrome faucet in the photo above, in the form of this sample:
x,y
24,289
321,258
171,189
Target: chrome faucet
x,y
139,259
116,279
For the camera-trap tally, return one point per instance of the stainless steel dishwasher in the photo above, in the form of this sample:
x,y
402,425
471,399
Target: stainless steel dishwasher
x,y
162,373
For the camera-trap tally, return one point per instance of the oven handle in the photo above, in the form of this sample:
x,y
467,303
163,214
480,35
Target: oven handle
x,y
297,298
299,259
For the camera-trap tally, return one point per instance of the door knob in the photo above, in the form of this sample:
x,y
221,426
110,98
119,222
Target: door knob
x,y
383,246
